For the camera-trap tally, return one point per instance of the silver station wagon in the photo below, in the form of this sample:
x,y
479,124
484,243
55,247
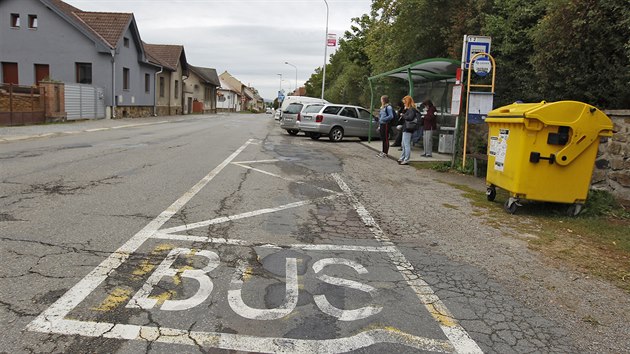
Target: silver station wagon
x,y
337,121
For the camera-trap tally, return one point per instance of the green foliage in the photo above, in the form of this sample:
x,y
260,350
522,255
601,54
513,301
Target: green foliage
x,y
579,52
544,49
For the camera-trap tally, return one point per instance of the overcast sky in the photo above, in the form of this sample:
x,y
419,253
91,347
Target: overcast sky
x,y
251,39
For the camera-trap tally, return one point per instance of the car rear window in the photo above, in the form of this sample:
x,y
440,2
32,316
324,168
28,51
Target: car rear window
x,y
314,108
294,108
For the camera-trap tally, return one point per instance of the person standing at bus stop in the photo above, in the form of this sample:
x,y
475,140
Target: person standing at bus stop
x,y
430,124
385,116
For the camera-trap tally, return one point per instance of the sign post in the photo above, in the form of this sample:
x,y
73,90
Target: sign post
x,y
478,102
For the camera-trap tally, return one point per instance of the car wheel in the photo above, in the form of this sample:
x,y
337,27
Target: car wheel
x,y
292,131
315,136
336,134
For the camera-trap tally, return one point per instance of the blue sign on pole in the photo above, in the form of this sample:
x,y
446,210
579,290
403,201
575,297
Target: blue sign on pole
x,y
474,44
280,96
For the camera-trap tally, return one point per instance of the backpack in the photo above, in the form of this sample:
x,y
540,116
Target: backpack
x,y
394,114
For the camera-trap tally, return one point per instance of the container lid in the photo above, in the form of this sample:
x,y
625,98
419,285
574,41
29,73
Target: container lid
x,y
515,110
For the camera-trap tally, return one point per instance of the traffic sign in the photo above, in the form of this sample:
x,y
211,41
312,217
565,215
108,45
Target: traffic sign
x,y
482,66
473,45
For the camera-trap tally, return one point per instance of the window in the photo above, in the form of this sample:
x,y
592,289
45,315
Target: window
x,y
363,114
147,83
314,108
331,110
10,73
126,42
161,86
294,108
15,20
125,78
349,112
84,73
176,89
32,21
42,71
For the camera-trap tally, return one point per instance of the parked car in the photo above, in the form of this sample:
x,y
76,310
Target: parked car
x,y
277,115
292,115
338,121
269,110
290,118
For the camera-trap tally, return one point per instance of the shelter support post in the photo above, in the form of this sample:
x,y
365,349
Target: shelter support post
x,y
371,109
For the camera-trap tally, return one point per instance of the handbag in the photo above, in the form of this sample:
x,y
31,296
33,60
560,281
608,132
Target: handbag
x,y
412,125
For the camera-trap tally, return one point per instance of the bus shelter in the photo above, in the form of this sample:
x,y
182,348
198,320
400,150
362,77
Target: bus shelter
x,y
428,78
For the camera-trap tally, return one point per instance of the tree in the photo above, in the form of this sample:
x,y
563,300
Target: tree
x,y
581,52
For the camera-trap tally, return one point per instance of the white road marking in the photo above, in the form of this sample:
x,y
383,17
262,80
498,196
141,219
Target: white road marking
x,y
235,296
142,300
247,343
47,320
282,177
248,214
305,247
327,307
53,320
451,328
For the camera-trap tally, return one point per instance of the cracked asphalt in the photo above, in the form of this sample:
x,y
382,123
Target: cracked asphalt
x,y
224,234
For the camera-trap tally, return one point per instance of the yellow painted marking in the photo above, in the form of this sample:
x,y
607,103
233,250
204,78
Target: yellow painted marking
x,y
177,279
247,274
440,317
167,295
116,298
145,266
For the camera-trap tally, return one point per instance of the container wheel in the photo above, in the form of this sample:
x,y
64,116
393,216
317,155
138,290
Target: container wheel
x,y
511,205
491,193
574,209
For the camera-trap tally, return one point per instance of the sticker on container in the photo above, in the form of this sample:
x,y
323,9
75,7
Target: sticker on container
x,y
500,149
494,140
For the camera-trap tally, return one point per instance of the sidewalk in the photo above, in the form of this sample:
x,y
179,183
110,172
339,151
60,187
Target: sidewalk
x,y
9,134
394,153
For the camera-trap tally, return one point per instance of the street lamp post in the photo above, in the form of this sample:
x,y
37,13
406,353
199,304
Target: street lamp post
x,y
280,89
325,51
296,72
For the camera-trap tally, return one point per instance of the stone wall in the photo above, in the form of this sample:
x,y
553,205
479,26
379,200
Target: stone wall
x,y
134,111
612,167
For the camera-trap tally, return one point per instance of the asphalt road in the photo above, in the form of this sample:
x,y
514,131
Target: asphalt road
x,y
223,233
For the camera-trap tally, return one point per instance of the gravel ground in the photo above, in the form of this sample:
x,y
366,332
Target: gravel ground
x,y
418,208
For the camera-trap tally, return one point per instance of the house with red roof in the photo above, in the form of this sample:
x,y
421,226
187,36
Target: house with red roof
x,y
50,39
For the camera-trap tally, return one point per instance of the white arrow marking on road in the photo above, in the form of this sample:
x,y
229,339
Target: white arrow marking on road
x,y
248,214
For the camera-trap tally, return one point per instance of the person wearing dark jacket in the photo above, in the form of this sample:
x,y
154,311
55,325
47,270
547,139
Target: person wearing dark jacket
x,y
430,124
398,132
410,114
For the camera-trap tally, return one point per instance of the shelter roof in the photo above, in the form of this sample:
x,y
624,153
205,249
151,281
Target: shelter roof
x,y
426,70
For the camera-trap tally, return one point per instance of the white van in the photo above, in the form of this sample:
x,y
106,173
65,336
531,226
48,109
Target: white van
x,y
298,99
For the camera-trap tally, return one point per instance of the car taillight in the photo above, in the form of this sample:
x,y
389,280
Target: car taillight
x,y
299,117
319,118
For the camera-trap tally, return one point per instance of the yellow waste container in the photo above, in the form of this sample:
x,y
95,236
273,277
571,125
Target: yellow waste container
x,y
544,151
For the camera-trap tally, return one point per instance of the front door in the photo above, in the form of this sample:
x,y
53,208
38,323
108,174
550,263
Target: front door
x,y
42,71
